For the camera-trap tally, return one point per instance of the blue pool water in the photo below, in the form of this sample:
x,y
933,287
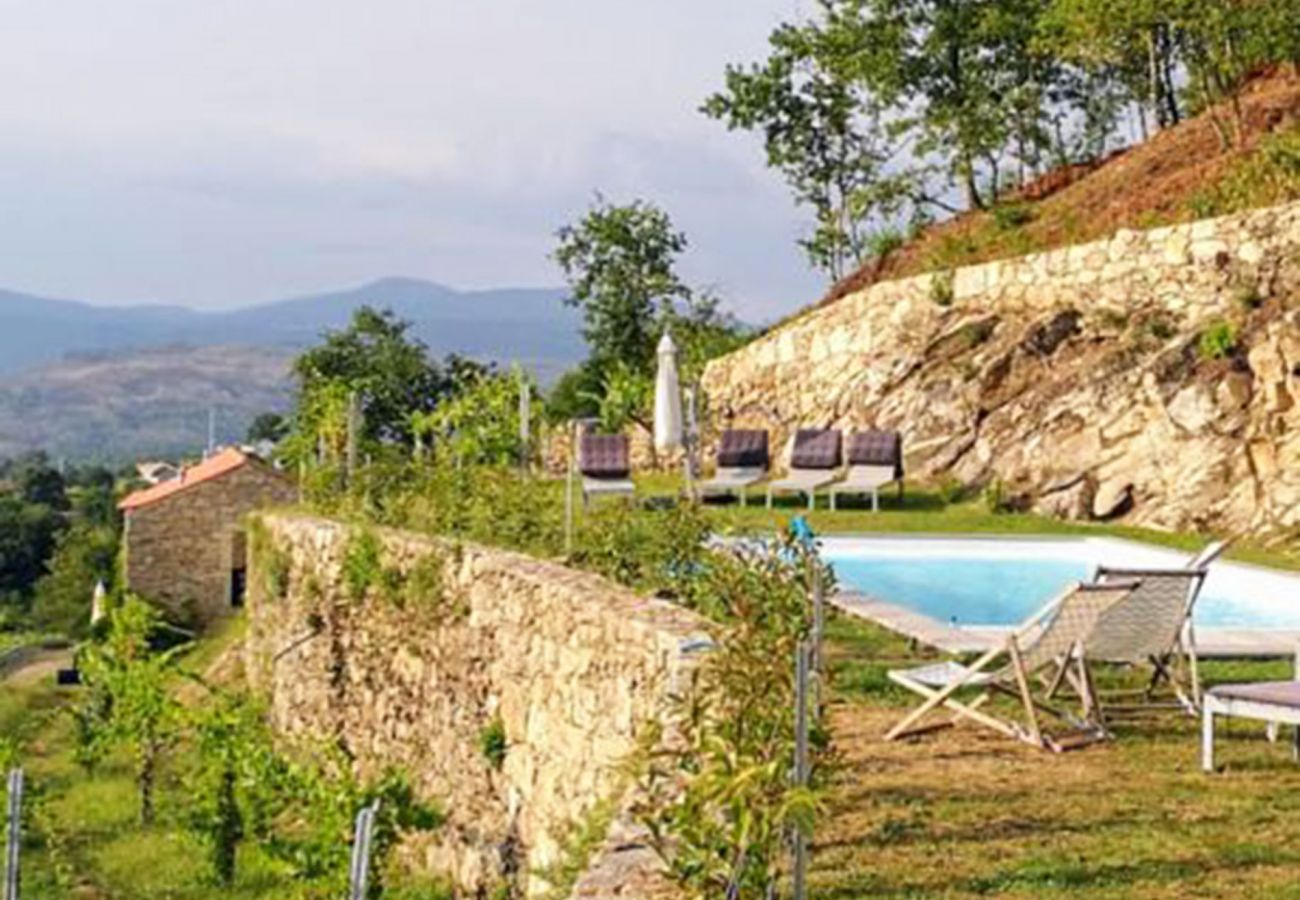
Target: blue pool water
x,y
963,591
1003,583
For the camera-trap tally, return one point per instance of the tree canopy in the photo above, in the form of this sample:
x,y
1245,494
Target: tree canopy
x,y
376,359
874,111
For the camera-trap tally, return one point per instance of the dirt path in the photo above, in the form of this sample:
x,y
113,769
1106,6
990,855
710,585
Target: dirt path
x,y
31,664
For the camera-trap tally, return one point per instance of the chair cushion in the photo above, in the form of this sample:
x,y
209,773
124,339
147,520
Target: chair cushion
x,y
877,448
604,456
743,448
1278,693
815,448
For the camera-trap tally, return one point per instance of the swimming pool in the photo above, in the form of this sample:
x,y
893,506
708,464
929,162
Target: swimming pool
x,y
981,582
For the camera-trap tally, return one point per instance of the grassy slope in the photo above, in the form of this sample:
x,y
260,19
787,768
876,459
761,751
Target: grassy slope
x,y
86,840
1178,175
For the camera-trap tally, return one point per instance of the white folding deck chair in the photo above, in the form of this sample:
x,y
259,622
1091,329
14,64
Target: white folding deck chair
x,y
1154,627
875,460
815,461
1059,632
742,463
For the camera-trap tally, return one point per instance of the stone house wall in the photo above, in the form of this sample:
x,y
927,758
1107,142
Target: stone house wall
x,y
1074,377
181,549
574,667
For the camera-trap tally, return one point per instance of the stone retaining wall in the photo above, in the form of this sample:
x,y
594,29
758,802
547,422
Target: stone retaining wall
x,y
411,669
1073,378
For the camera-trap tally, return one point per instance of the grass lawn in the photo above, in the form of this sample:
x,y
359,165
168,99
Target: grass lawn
x,y
967,813
923,510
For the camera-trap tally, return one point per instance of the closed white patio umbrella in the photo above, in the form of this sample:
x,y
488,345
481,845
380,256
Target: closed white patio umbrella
x,y
668,398
669,433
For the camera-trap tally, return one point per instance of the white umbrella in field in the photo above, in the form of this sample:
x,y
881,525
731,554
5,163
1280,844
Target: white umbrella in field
x,y
668,398
98,601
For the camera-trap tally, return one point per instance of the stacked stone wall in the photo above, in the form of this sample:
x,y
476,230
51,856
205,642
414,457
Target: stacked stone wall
x,y
577,670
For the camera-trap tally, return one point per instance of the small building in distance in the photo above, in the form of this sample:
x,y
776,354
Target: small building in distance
x,y
156,472
184,538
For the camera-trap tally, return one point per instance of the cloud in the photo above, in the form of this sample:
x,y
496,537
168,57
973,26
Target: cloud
x,y
216,154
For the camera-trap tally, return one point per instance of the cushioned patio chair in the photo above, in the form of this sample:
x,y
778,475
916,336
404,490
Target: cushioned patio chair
x,y
742,462
875,460
815,461
604,460
1059,631
1153,627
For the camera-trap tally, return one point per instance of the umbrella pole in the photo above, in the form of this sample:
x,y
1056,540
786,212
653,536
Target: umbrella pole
x,y
688,444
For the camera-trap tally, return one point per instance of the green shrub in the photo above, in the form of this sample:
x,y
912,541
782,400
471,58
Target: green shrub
x,y
493,743
941,288
1266,177
1218,341
426,582
884,242
1012,215
720,804
273,560
363,565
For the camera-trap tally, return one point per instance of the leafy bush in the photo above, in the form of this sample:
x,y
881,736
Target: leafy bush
x,y
1268,176
363,565
720,804
478,424
1012,215
655,550
493,743
941,288
884,242
1218,341
127,700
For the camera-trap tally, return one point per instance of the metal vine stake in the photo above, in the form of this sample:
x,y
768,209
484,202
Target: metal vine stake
x,y
14,834
363,840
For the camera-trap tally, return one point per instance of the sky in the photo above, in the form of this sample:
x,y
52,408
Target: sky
x,y
219,154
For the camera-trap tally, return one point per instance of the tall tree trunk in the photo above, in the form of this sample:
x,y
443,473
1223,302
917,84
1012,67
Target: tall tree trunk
x,y
1155,86
1167,70
973,198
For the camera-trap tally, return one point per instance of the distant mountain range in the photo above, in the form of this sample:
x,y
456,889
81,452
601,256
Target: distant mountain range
x,y
112,383
531,325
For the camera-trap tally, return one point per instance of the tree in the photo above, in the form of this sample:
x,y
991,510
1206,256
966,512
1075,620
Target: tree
x,y
85,555
268,426
619,262
28,533
376,358
127,701
825,135
478,424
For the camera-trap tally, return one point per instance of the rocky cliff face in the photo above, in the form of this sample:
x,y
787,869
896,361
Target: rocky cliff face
x,y
1151,377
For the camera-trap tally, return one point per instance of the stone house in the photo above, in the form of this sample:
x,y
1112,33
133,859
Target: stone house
x,y
184,540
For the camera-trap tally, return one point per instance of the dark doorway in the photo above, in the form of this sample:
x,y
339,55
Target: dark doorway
x,y
238,584
238,568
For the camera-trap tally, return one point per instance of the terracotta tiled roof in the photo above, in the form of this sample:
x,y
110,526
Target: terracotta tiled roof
x,y
213,467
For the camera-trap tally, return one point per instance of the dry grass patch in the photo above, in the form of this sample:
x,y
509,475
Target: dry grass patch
x,y
965,813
